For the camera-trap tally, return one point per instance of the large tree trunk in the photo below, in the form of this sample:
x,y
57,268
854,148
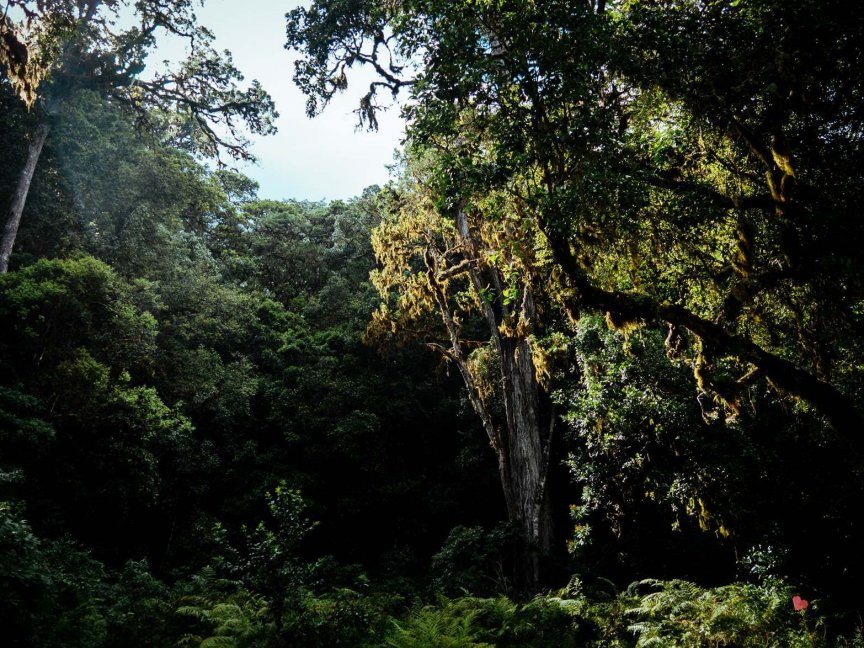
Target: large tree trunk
x,y
521,441
523,449
19,198
528,458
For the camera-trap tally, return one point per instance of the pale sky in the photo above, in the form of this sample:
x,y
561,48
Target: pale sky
x,y
314,159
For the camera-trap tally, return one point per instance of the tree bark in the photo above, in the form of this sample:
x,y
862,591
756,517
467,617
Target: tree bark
x,y
527,456
19,198
521,441
523,450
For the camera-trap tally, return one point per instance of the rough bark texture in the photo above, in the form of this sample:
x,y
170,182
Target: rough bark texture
x,y
522,448
527,454
19,198
521,438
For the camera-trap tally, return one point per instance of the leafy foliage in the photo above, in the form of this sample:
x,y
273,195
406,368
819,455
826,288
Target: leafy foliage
x,y
47,588
474,560
630,227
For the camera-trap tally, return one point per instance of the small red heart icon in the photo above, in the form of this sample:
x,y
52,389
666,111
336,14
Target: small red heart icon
x,y
800,604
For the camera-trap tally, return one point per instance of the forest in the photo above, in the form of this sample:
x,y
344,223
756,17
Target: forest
x,y
587,371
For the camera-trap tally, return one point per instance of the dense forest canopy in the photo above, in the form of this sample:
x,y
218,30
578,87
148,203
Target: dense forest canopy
x,y
586,372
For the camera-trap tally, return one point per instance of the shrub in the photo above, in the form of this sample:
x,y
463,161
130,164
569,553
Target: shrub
x,y
473,560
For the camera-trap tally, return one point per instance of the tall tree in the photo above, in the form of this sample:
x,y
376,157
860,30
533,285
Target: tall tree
x,y
483,294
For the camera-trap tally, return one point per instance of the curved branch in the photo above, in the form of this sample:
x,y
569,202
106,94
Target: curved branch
x,y
629,307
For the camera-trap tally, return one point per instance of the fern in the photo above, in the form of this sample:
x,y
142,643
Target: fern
x,y
231,622
683,614
430,627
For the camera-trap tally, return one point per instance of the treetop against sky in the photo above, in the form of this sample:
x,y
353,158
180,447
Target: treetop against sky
x,y
325,157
